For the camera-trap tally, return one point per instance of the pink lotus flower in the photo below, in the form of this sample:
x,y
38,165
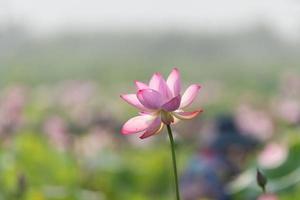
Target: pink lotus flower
x,y
160,102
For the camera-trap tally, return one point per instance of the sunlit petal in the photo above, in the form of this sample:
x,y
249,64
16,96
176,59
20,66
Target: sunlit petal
x,y
140,86
133,100
159,84
137,124
153,129
189,95
174,82
186,115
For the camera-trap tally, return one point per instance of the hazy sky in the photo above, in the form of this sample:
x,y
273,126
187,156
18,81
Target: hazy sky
x,y
210,15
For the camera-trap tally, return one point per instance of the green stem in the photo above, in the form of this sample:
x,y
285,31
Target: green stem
x,y
174,161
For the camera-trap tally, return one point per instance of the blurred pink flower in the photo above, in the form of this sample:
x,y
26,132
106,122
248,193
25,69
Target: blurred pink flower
x,y
11,109
75,93
253,122
159,103
273,155
56,129
267,197
288,109
77,97
97,140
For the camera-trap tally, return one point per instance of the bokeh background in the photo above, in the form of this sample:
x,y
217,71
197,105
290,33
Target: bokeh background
x,y
64,63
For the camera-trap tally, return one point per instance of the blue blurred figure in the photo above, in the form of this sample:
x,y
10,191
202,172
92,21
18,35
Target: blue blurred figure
x,y
214,166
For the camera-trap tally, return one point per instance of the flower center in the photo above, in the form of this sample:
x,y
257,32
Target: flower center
x,y
166,117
